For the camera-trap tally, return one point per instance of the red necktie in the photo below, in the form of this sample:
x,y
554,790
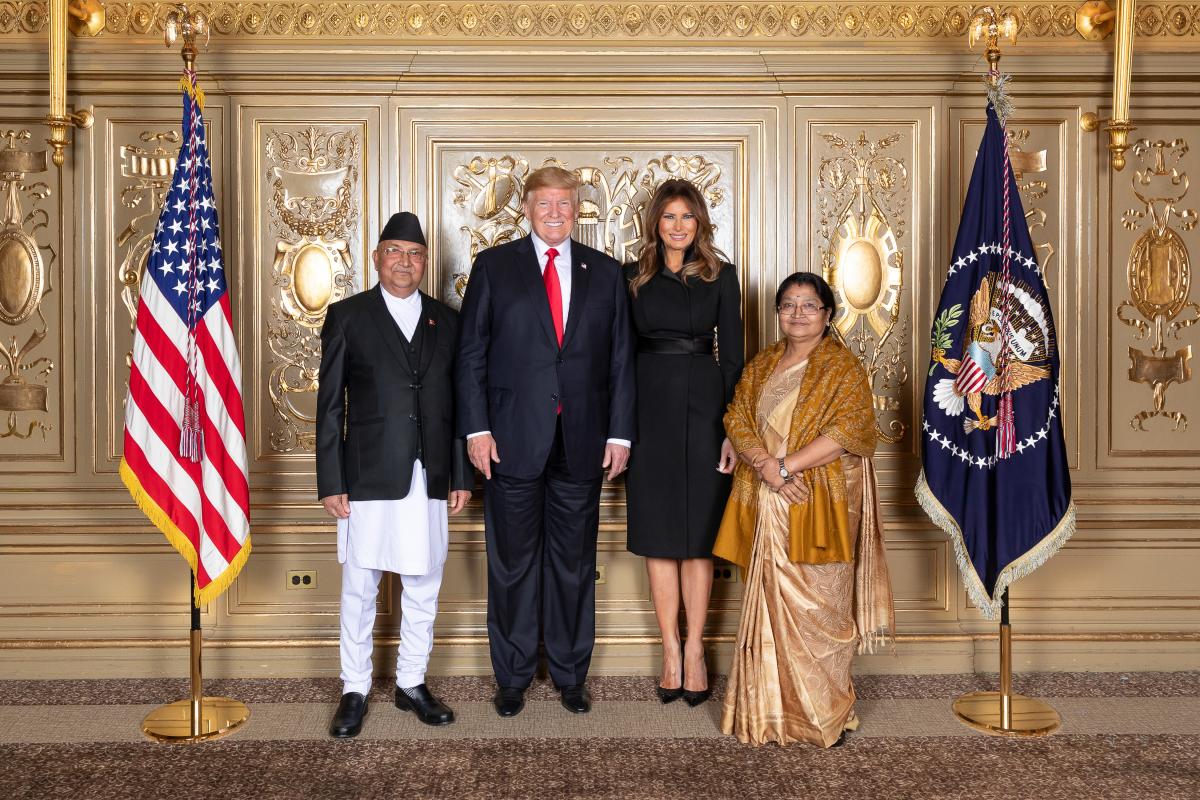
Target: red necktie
x,y
554,293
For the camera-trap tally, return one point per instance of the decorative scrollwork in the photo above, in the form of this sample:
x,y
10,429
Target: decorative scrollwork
x,y
1032,191
862,194
149,169
612,198
24,281
522,20
1159,276
313,177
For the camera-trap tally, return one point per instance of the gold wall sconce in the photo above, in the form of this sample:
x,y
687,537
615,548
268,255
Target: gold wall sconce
x,y
1095,20
82,18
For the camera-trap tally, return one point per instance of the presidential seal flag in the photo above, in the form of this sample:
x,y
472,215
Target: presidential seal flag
x,y
994,465
184,457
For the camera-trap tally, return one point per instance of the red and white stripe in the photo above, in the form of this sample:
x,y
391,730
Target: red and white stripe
x,y
208,502
970,378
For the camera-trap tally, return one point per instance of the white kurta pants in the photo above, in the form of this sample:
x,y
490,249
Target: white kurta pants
x,y
408,537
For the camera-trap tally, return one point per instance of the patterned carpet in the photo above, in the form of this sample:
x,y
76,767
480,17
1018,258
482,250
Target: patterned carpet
x,y
1134,735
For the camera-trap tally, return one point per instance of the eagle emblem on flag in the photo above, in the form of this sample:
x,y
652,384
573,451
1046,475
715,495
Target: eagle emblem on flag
x,y
1027,334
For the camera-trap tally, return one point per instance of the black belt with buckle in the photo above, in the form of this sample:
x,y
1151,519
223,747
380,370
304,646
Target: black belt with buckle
x,y
676,346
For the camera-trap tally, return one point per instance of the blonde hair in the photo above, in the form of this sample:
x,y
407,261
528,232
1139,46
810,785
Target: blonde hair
x,y
704,260
551,178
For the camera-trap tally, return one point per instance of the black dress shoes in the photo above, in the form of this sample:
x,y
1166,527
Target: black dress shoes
x,y
428,708
348,719
694,699
509,701
575,699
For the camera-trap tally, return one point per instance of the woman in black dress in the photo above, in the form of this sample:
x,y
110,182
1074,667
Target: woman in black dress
x,y
687,311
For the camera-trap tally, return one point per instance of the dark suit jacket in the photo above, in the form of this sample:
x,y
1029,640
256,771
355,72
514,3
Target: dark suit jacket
x,y
511,375
383,403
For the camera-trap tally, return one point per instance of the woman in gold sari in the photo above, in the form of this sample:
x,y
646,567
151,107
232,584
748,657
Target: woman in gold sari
x,y
803,521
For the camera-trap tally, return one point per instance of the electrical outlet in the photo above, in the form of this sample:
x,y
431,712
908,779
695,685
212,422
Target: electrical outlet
x,y
301,579
725,573
601,574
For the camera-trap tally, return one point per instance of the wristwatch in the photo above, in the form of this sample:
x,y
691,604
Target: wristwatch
x,y
783,472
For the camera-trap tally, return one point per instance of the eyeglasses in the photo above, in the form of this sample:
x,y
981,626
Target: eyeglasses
x,y
415,256
807,308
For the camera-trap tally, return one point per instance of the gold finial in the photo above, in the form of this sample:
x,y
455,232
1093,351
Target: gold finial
x,y
182,23
991,26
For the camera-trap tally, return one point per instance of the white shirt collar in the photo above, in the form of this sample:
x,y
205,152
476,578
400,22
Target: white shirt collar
x,y
540,248
413,301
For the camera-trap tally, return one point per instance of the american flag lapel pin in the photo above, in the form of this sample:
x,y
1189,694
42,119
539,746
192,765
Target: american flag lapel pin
x,y
431,322
582,265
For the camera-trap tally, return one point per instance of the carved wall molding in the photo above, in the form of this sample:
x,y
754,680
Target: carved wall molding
x,y
312,177
24,280
148,169
1159,276
612,200
862,192
692,21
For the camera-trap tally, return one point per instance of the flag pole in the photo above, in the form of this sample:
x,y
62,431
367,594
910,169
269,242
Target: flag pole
x,y
1003,713
198,718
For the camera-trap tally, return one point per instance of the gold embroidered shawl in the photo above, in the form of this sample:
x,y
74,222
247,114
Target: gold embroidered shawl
x,y
834,400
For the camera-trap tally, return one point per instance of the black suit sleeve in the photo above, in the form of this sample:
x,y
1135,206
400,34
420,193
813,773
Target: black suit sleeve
x,y
730,331
622,418
331,407
470,365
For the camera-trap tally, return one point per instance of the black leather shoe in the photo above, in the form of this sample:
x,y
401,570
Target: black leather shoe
x,y
575,699
428,708
348,719
694,699
509,701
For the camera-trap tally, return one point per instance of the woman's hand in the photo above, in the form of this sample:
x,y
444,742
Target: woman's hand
x,y
728,458
754,457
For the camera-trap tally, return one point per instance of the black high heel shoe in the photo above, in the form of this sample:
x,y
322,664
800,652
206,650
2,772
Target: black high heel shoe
x,y
695,698
671,695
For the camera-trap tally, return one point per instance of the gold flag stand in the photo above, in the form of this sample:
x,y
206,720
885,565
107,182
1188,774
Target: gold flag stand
x,y
1002,713
198,718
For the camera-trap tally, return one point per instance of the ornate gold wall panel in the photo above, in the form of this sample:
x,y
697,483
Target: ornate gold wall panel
x,y
862,221
310,202
514,19
1160,276
32,211
1152,306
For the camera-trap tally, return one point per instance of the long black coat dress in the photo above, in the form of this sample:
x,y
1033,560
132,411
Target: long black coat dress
x,y
675,496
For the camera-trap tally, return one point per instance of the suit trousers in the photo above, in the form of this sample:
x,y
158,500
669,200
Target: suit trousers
x,y
541,552
418,607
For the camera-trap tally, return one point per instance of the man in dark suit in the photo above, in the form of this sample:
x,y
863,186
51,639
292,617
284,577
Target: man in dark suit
x,y
388,464
545,390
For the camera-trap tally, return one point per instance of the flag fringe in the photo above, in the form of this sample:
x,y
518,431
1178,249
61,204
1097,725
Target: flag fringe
x,y
166,526
1033,558
193,91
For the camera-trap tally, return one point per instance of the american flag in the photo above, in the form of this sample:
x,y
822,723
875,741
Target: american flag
x,y
185,432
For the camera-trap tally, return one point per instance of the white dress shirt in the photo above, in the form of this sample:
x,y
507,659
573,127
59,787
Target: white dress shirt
x,y
562,265
405,310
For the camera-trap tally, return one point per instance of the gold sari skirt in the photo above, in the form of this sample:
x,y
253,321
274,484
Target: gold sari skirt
x,y
790,677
